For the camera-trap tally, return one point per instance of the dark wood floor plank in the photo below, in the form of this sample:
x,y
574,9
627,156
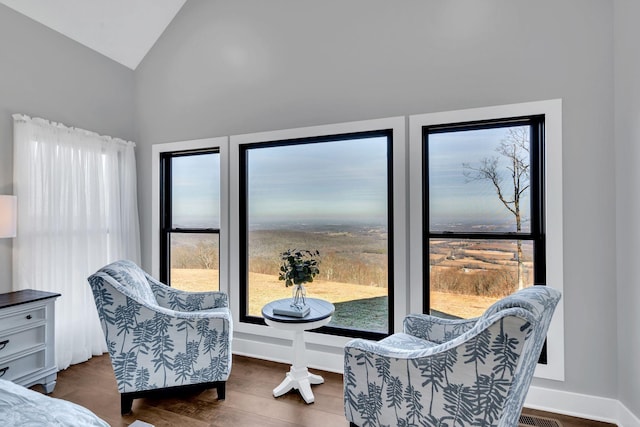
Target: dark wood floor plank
x,y
326,396
249,401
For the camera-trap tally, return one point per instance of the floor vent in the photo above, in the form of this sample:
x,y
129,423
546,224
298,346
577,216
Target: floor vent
x,y
531,420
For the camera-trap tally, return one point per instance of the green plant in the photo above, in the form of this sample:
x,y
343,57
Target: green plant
x,y
298,266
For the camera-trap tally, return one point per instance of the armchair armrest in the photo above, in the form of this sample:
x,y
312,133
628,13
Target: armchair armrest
x,y
516,319
192,316
179,300
156,347
383,350
436,329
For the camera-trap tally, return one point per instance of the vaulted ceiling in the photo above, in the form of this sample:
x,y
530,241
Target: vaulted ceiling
x,y
123,30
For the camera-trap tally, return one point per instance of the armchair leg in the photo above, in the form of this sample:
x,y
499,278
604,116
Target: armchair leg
x,y
126,401
221,387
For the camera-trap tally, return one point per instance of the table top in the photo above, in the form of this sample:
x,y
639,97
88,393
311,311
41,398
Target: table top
x,y
24,296
320,309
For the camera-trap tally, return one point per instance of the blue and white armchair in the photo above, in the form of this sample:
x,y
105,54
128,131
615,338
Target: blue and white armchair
x,y
441,372
160,337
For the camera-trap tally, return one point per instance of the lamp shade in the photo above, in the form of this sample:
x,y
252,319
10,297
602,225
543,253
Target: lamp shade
x,y
8,216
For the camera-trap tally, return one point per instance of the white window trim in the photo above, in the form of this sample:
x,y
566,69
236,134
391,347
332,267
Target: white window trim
x,y
222,144
336,343
552,109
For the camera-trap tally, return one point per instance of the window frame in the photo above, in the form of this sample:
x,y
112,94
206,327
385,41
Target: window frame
x,y
396,125
221,144
536,234
166,208
243,232
551,194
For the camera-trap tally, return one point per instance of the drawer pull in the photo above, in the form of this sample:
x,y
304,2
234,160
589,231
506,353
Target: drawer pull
x,y
3,344
3,371
28,317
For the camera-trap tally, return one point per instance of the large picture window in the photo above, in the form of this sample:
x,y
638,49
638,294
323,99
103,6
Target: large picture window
x,y
190,220
330,194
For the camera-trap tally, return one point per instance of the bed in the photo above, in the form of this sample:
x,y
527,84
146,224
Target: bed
x,y
20,406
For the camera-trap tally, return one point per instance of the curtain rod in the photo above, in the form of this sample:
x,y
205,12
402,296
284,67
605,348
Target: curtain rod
x,y
40,121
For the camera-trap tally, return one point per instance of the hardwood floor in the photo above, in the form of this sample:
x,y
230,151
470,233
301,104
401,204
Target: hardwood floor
x,y
249,401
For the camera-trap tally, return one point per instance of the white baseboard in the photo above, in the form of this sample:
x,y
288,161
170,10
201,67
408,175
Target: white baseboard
x,y
626,418
331,359
581,405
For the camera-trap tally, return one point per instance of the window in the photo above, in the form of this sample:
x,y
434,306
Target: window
x,y
486,191
326,193
190,220
382,211
483,209
191,238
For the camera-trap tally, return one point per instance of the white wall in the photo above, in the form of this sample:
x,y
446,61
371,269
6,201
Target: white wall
x,y
225,68
627,137
45,74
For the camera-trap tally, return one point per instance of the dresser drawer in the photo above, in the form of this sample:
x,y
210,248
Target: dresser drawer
x,y
16,342
25,365
22,318
27,338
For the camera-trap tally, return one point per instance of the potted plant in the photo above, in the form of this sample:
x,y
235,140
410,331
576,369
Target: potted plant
x,y
298,267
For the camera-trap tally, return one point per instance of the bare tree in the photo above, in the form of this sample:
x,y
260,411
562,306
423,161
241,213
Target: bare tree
x,y
207,255
180,257
515,148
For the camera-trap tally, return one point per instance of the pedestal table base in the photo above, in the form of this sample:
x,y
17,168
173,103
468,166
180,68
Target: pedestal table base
x,y
301,380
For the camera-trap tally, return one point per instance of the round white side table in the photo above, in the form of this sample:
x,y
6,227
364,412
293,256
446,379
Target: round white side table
x,y
299,377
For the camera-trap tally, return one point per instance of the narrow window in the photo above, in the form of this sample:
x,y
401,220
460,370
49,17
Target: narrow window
x,y
190,220
483,213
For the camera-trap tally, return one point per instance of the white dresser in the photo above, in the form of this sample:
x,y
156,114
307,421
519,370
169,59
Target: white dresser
x,y
27,340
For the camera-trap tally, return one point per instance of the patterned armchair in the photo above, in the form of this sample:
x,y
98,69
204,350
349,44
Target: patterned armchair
x,y
439,372
159,337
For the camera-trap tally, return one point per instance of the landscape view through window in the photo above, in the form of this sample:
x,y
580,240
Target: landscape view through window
x,y
480,245
329,195
194,240
333,195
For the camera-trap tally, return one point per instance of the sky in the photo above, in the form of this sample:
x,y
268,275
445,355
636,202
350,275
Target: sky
x,y
453,197
196,190
342,181
324,181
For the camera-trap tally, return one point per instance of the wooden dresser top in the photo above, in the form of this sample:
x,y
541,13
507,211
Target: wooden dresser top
x,y
22,297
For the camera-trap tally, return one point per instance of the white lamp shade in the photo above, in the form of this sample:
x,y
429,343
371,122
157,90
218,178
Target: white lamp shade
x,y
8,216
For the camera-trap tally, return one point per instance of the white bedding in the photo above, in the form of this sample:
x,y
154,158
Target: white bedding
x,y
22,407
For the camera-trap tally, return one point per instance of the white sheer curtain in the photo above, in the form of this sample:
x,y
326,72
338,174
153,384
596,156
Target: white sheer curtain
x,y
77,211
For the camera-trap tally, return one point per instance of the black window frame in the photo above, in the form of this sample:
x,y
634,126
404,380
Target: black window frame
x,y
166,223
537,232
243,252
